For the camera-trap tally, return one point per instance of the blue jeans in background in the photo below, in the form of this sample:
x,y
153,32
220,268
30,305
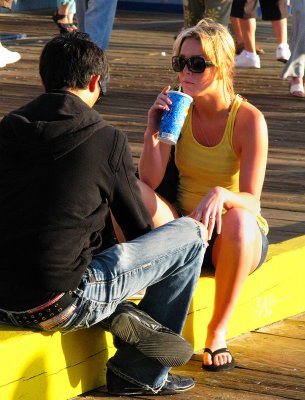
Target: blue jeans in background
x,y
96,17
167,261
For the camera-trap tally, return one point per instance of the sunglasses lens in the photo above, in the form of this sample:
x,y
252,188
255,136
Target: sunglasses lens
x,y
178,63
197,64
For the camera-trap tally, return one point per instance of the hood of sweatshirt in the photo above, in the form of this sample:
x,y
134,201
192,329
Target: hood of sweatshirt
x,y
48,127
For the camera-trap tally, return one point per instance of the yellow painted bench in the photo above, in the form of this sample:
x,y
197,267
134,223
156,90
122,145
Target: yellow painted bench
x,y
52,366
45,366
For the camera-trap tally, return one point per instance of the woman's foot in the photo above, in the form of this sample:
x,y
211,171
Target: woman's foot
x,y
215,342
71,22
222,367
62,21
297,87
239,47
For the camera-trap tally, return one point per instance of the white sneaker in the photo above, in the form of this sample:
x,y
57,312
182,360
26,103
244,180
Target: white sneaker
x,y
247,60
283,52
8,56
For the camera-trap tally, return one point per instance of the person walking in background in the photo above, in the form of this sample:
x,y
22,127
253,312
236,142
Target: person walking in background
x,y
64,16
195,10
96,18
296,63
220,159
243,19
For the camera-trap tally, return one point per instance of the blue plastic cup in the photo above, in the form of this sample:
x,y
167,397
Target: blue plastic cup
x,y
172,121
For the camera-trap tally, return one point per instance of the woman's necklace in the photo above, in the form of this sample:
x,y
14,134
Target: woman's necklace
x,y
202,131
207,140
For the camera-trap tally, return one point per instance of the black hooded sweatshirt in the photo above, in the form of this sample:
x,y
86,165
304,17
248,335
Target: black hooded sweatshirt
x,y
61,169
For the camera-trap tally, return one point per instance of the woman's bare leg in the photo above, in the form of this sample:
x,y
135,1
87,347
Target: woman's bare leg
x,y
64,10
161,211
280,30
237,30
248,29
236,253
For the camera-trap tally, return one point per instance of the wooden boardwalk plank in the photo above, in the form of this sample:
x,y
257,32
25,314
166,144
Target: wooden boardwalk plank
x,y
270,366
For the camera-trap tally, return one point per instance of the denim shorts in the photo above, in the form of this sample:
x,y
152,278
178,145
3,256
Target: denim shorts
x,y
208,265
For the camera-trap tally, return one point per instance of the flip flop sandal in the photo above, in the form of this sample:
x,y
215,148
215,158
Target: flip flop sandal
x,y
73,27
297,88
63,27
217,368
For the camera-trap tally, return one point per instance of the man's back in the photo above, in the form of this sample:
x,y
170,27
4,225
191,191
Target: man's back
x,y
61,167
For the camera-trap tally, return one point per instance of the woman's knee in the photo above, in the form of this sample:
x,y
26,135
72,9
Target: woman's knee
x,y
240,226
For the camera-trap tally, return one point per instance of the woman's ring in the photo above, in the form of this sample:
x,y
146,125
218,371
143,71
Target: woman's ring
x,y
211,217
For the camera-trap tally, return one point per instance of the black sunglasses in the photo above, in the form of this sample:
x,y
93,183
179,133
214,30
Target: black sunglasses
x,y
195,64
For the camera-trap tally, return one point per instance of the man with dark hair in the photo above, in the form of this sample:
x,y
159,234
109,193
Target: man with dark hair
x,y
63,169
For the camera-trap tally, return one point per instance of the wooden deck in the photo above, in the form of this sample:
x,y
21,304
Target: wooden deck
x,y
270,360
270,367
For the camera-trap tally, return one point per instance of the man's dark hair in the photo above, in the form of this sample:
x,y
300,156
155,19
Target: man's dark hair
x,y
69,61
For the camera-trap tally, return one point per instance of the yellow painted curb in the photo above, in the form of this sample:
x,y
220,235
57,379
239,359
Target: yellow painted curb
x,y
52,366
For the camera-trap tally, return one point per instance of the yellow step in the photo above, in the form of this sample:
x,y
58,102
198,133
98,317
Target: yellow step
x,y
55,366
52,366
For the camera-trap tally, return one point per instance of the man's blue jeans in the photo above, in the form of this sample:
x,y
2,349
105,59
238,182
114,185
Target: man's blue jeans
x,y
167,261
96,17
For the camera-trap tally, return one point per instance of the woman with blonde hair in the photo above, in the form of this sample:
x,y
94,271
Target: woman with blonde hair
x,y
220,160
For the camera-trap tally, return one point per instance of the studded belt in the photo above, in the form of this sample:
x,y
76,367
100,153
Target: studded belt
x,y
46,316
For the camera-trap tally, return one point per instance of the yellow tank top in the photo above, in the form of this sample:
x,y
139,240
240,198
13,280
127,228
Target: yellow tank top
x,y
202,168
